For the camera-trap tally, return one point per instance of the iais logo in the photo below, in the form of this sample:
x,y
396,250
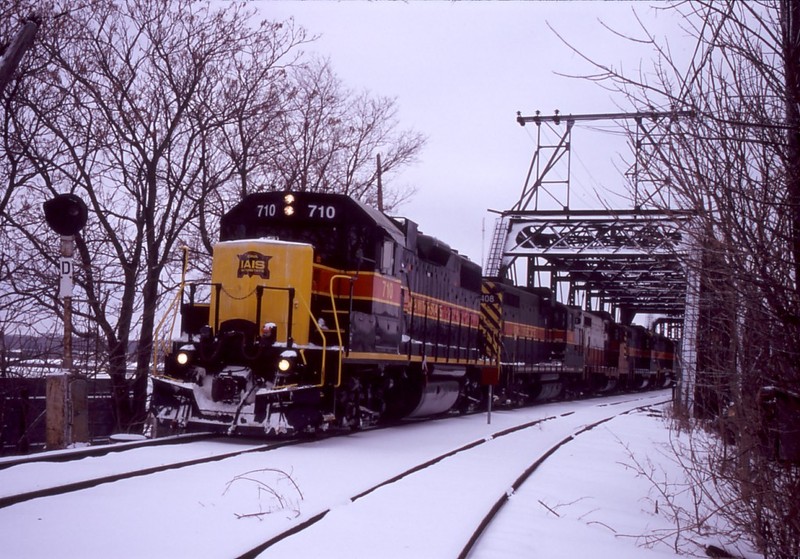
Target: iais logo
x,y
253,263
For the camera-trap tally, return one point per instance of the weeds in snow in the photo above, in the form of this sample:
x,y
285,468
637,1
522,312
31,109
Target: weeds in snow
x,y
275,489
695,498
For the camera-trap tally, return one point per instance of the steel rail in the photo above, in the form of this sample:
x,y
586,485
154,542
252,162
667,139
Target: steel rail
x,y
523,477
74,486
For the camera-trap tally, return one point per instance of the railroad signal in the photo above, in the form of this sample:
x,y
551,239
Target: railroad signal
x,y
66,214
67,399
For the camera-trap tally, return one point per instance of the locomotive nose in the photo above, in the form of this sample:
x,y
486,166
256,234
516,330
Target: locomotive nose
x,y
265,282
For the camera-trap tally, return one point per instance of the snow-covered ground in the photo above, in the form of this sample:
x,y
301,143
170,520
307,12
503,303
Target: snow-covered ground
x,y
588,499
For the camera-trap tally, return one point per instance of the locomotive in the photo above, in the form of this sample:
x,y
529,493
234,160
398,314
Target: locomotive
x,y
322,311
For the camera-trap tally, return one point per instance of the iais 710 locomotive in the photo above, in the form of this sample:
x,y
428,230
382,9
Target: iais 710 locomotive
x,y
324,311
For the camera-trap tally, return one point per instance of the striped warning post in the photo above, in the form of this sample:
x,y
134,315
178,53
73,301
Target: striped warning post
x,y
491,318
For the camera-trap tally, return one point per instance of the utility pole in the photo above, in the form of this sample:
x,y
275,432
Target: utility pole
x,y
380,183
13,53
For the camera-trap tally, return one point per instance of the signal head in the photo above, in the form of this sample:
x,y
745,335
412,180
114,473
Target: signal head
x,y
66,214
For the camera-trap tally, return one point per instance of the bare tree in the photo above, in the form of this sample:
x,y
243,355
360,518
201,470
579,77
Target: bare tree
x,y
127,96
736,165
15,169
306,132
161,115
331,136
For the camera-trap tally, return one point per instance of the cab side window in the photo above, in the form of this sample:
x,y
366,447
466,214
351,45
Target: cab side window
x,y
387,257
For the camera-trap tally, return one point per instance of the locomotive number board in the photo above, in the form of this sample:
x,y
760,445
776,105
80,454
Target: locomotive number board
x,y
298,207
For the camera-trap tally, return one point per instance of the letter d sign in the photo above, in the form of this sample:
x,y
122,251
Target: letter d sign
x,y
65,286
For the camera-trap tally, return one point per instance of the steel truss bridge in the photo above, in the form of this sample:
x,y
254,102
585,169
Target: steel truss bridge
x,y
625,261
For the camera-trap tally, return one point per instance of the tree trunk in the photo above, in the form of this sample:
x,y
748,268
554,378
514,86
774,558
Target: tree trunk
x,y
119,384
144,350
790,16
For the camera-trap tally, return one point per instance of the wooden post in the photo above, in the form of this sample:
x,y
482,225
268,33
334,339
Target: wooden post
x,y
56,430
79,409
380,183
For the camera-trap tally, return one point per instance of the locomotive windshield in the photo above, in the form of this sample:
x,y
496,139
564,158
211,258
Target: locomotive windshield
x,y
344,233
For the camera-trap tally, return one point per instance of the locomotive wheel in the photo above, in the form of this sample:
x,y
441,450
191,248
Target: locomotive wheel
x,y
351,415
349,406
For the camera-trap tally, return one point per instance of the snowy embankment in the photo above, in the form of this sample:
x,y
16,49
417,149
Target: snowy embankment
x,y
613,492
589,498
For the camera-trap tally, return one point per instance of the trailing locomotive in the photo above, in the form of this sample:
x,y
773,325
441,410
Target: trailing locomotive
x,y
324,311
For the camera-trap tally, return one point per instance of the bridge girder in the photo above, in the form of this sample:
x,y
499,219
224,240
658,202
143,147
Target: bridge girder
x,y
628,259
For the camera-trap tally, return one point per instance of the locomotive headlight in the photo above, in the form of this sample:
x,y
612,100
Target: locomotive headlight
x,y
287,360
179,361
184,355
288,208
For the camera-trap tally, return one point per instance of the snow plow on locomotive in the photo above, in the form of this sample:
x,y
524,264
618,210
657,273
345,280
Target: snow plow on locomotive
x,y
322,311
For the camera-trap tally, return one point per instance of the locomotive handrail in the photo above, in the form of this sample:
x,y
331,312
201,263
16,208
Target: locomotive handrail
x,y
218,294
336,318
159,342
324,342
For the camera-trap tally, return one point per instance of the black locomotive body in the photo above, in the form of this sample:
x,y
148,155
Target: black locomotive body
x,y
662,357
525,332
323,311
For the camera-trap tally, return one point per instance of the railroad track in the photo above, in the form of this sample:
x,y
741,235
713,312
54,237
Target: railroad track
x,y
87,482
69,455
338,477
128,473
401,484
523,477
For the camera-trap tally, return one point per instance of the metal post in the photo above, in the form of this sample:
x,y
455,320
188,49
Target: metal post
x,y
65,292
688,376
489,411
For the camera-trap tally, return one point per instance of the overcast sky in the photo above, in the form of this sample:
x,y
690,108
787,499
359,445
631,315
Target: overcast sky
x,y
460,72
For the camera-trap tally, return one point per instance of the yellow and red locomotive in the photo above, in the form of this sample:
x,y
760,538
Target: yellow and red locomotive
x,y
324,311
